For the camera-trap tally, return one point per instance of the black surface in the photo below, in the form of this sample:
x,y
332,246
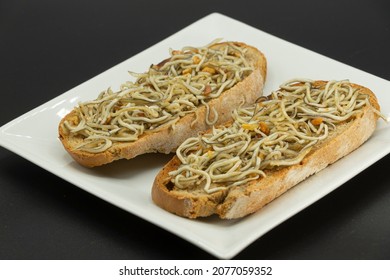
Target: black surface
x,y
48,47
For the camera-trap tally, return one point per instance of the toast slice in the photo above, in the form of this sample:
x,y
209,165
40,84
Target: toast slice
x,y
189,92
295,132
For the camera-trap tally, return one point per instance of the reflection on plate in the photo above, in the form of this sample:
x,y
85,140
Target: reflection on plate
x,y
127,184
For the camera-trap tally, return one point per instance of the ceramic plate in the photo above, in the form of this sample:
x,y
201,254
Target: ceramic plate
x,y
127,184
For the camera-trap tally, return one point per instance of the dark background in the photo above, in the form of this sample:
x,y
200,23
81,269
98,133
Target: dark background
x,y
48,47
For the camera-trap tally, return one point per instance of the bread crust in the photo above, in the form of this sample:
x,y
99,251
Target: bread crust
x,y
167,139
240,201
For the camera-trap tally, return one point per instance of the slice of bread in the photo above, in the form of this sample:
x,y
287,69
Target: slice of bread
x,y
167,138
241,200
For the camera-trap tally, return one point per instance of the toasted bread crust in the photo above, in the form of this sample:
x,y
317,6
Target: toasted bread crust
x,y
240,201
167,139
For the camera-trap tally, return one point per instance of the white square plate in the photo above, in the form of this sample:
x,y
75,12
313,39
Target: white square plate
x,y
127,184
